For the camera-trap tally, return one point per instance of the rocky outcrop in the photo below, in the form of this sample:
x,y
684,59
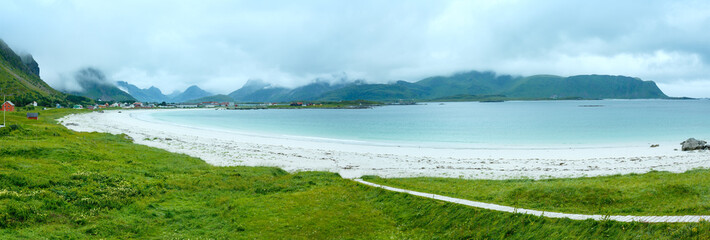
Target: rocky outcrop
x,y
694,144
30,62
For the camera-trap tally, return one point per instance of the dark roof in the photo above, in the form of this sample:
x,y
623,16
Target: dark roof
x,y
32,114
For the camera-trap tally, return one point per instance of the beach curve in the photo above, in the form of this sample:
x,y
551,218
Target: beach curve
x,y
353,160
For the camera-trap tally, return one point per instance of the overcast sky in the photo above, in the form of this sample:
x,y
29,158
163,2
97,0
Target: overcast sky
x,y
219,45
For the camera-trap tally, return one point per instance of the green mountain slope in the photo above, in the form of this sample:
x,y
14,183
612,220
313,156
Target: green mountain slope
x,y
377,92
585,86
311,91
97,87
468,83
482,85
21,84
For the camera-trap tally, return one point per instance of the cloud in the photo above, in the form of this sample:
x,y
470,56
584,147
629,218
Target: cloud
x,y
219,45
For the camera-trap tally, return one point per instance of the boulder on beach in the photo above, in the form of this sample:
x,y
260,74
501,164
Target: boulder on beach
x,y
693,144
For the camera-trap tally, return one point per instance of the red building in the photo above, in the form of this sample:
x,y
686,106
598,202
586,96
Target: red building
x,y
8,107
34,116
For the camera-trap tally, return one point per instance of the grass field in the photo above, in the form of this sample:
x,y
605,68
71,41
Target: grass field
x,y
59,184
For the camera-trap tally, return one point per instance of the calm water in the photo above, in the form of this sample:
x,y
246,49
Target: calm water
x,y
452,124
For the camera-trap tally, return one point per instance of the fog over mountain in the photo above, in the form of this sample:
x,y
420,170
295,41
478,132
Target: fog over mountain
x,y
95,85
220,45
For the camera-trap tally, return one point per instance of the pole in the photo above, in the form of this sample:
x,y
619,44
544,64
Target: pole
x,y
3,110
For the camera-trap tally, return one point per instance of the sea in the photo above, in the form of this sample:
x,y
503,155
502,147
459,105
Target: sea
x,y
470,124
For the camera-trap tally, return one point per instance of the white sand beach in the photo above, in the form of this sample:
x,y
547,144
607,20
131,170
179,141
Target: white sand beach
x,y
352,160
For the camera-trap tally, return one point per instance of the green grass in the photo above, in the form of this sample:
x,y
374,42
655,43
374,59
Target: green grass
x,y
654,193
59,184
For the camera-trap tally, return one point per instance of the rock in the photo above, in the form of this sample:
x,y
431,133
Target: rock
x,y
693,144
31,64
654,145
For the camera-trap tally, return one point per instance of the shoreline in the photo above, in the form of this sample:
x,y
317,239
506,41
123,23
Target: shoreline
x,y
353,159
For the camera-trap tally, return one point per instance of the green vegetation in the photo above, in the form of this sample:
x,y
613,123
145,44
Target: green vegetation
x,y
585,86
214,98
654,193
56,183
377,92
472,98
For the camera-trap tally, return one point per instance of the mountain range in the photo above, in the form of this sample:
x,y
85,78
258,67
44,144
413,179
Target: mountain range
x,y
472,85
153,94
260,91
96,86
19,78
476,83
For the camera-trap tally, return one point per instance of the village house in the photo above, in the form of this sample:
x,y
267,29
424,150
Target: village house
x,y
34,103
137,104
207,104
78,106
186,105
34,116
8,107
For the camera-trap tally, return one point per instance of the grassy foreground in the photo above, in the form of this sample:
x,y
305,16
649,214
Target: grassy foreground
x,y
654,193
59,184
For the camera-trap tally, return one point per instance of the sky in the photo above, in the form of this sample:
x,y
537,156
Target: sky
x,y
219,45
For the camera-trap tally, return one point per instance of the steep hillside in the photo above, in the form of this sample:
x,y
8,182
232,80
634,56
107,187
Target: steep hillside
x,y
21,83
31,64
312,91
95,86
584,86
377,92
469,83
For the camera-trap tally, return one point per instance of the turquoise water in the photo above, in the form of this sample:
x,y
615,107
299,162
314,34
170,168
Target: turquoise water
x,y
472,123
